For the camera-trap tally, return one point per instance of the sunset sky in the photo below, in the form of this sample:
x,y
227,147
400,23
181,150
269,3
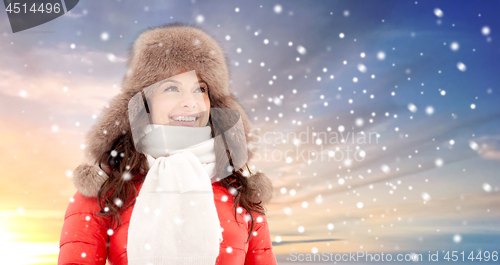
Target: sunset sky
x,y
411,86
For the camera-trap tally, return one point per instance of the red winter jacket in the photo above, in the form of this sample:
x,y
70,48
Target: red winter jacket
x,y
85,240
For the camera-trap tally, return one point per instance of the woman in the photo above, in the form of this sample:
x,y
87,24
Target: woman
x,y
143,139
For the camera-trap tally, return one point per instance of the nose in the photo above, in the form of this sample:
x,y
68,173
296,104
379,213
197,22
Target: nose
x,y
188,101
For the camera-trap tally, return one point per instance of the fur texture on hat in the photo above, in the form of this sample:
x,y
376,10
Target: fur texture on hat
x,y
156,54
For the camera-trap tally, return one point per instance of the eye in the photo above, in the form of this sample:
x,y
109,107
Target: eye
x,y
169,88
200,89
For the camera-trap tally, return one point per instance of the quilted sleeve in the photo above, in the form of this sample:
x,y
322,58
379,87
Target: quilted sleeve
x,y
260,249
84,234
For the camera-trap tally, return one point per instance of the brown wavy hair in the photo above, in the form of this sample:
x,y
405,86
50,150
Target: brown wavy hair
x,y
125,167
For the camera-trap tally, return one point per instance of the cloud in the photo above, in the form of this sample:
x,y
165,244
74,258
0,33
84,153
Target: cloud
x,y
91,79
488,146
49,91
73,15
290,242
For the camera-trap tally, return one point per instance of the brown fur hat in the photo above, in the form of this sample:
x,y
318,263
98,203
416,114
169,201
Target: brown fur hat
x,y
156,54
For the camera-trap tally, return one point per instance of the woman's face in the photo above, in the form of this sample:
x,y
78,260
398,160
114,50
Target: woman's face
x,y
181,100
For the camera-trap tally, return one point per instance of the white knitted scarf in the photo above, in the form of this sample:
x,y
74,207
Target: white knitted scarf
x,y
174,219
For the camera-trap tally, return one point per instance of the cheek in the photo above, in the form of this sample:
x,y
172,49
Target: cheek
x,y
207,102
161,111
165,111
207,109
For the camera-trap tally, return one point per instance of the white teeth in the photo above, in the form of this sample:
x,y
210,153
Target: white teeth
x,y
184,118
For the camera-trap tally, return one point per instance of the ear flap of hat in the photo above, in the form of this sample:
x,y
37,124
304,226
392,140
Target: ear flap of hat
x,y
88,179
261,188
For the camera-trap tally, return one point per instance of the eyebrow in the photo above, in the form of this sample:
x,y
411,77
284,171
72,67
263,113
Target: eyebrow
x,y
177,82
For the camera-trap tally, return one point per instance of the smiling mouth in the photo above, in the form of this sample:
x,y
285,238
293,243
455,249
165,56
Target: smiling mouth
x,y
185,119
